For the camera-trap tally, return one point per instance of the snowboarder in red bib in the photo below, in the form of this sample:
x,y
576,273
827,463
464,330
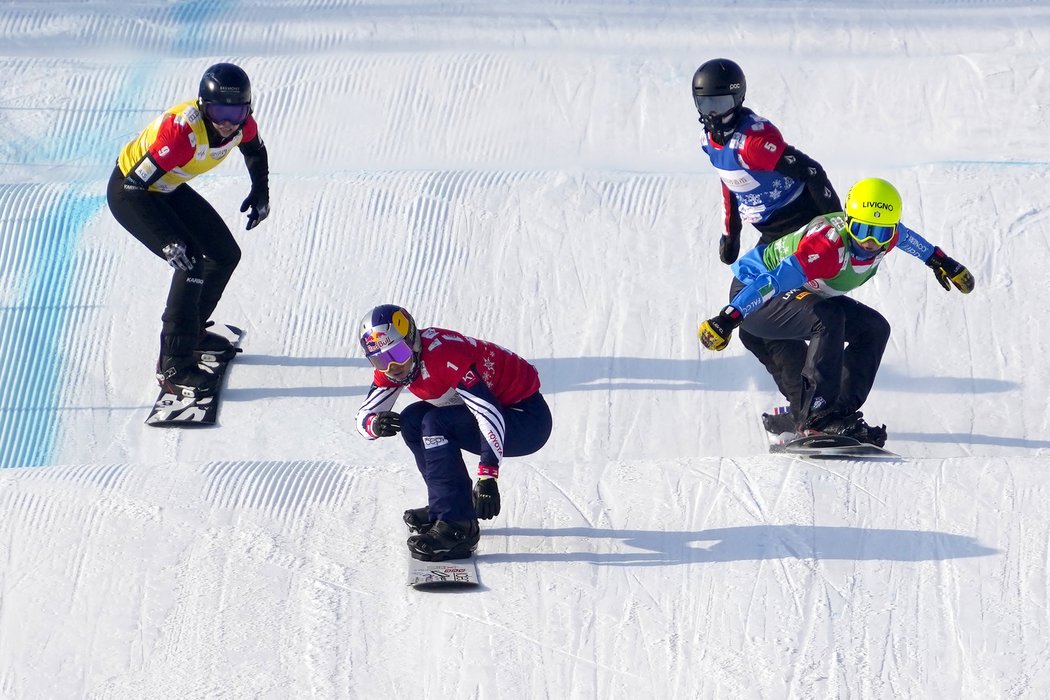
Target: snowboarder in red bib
x,y
792,290
149,196
476,396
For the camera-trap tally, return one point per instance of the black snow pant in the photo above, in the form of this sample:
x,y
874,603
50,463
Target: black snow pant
x,y
157,219
822,352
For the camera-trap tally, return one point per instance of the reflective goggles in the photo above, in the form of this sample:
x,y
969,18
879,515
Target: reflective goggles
x,y
230,114
392,358
714,104
863,233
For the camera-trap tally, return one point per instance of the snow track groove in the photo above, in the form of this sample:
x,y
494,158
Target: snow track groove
x,y
284,491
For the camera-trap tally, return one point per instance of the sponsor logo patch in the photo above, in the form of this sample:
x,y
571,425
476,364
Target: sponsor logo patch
x,y
376,341
497,446
432,441
145,169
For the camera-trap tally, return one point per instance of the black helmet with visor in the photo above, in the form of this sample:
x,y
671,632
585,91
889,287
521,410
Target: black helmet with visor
x,y
718,93
225,94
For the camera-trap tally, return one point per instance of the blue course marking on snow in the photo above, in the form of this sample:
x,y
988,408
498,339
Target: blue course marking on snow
x,y
192,18
41,249
46,225
33,325
991,163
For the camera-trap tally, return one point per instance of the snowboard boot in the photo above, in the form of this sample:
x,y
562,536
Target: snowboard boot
x,y
780,421
853,425
418,519
212,347
182,376
445,540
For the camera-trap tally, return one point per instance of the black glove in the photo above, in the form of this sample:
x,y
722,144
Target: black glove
x,y
949,272
716,332
259,201
728,248
175,254
386,424
486,498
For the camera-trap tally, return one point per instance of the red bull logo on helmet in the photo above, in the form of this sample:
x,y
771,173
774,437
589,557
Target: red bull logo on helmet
x,y
376,341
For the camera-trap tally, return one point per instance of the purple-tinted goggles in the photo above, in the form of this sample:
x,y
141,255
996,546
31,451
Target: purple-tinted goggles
x,y
397,354
231,114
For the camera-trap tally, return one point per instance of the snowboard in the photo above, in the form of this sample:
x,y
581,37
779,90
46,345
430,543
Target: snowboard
x,y
437,575
832,447
819,446
172,411
450,574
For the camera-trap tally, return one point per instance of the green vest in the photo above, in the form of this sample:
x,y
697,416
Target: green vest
x,y
848,277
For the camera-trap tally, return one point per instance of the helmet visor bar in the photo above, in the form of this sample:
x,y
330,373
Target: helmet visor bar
x,y
231,114
397,354
714,104
865,233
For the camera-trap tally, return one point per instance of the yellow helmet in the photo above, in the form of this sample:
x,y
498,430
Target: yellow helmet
x,y
873,210
874,201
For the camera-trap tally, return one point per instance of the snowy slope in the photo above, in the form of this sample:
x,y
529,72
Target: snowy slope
x,y
528,173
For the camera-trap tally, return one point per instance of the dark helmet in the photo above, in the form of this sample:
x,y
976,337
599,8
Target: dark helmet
x,y
391,340
225,84
718,92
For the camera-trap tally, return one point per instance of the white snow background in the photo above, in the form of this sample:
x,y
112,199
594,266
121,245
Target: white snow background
x,y
528,173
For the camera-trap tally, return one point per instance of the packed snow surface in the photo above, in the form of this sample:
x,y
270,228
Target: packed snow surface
x,y
528,173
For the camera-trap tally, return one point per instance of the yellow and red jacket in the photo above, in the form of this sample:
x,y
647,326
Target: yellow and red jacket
x,y
177,143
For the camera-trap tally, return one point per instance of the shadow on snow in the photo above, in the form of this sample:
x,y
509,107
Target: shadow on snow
x,y
750,543
732,373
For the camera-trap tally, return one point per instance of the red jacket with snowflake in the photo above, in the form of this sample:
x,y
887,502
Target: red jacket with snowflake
x,y
456,369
